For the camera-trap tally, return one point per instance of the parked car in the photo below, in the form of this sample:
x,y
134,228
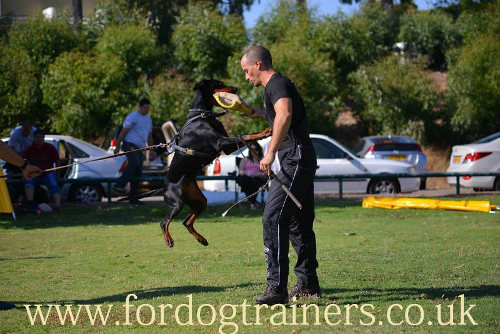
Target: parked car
x,y
72,150
480,156
397,148
158,165
333,158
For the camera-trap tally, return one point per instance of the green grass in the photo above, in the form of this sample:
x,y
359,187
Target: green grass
x,y
100,254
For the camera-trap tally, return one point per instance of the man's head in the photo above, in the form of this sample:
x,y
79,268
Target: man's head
x,y
255,62
39,138
26,128
144,105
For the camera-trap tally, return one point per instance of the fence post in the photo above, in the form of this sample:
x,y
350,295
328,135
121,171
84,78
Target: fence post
x,y
458,185
109,192
340,188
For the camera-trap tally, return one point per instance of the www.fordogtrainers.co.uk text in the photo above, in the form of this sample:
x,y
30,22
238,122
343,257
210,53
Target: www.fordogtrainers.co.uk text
x,y
226,314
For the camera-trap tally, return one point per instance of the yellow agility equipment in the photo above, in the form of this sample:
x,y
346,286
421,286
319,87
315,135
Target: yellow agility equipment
x,y
232,101
5,203
429,204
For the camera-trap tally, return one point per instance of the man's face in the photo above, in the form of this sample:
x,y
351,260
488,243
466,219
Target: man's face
x,y
39,139
252,71
144,109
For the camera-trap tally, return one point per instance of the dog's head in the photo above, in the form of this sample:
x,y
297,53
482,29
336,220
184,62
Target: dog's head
x,y
205,90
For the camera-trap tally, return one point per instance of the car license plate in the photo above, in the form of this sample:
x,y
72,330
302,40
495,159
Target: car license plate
x,y
456,159
400,157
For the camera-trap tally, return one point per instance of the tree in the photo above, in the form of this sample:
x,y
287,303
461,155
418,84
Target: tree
x,y
84,91
474,86
429,33
203,41
395,98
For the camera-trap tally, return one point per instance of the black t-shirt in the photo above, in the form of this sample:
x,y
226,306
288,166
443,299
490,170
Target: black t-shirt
x,y
278,87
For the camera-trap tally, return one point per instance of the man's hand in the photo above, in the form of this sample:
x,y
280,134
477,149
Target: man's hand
x,y
256,114
31,171
266,162
117,149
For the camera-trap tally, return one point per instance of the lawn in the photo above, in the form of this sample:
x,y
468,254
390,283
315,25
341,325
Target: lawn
x,y
382,261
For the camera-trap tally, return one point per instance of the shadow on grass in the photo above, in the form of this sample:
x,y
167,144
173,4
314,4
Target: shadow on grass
x,y
353,296
141,294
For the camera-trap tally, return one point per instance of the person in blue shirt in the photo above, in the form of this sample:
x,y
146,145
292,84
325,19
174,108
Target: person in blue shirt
x,y
22,137
135,134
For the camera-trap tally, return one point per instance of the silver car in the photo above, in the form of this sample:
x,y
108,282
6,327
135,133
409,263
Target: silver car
x,y
480,156
397,148
72,150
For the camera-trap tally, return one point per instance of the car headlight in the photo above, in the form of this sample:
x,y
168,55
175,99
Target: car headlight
x,y
411,170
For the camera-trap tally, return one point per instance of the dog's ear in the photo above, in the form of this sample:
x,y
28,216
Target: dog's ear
x,y
200,85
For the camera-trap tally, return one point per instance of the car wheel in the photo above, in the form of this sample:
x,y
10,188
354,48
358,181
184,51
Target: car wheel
x,y
85,193
496,185
383,186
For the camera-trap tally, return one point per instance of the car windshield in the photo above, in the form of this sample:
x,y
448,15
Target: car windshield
x,y
488,139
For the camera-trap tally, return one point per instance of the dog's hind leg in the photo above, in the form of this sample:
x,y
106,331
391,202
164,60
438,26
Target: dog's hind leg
x,y
173,198
166,223
194,198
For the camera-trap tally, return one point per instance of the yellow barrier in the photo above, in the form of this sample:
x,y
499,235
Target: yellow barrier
x,y
428,204
5,203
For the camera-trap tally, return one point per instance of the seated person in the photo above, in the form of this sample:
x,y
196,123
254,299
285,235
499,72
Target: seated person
x,y
44,156
250,176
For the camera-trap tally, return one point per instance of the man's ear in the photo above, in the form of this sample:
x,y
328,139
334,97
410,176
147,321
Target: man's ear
x,y
257,64
199,85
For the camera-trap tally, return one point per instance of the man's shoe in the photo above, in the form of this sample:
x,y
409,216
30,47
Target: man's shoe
x,y
136,201
273,295
305,292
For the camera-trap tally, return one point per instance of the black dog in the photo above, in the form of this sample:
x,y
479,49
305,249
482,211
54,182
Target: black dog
x,y
199,142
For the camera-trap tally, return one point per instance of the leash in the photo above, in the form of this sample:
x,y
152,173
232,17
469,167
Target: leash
x,y
97,159
271,176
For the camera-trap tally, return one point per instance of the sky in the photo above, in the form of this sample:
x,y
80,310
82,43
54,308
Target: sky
x,y
324,7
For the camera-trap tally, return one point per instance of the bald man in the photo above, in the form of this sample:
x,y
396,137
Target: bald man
x,y
282,220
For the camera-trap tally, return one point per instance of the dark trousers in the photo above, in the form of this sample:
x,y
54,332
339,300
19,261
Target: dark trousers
x,y
283,221
250,184
133,169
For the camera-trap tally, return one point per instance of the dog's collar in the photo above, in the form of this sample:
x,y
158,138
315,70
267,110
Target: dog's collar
x,y
207,113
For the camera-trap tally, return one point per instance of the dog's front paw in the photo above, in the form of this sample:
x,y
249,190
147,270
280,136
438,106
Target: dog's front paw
x,y
267,132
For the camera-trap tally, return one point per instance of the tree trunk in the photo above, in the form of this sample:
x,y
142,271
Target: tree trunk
x,y
77,12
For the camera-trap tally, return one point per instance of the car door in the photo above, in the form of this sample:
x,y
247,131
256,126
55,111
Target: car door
x,y
333,160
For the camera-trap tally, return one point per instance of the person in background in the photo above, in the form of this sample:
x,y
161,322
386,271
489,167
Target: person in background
x,y
9,155
21,137
250,177
44,156
135,134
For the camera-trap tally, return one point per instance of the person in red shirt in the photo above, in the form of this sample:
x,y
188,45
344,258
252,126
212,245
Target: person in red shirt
x,y
44,156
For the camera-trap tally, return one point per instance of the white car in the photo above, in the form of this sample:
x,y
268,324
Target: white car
x,y
333,158
72,150
480,156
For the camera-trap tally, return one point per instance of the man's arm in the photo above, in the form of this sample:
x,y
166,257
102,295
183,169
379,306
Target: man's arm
x,y
282,121
257,113
150,138
11,156
120,138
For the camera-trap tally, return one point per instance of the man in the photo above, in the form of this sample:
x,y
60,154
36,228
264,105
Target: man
x,y
22,137
9,155
282,220
135,134
44,156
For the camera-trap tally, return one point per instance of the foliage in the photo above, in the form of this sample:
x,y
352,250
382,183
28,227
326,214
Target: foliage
x,y
204,40
19,91
84,91
480,22
429,33
474,81
395,98
43,40
134,45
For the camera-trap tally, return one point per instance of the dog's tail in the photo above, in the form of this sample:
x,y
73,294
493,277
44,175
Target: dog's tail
x,y
143,195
